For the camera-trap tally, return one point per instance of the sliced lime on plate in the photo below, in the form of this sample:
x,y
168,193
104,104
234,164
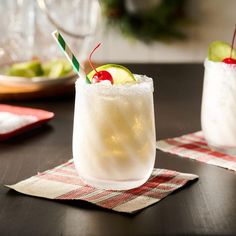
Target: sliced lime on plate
x,y
56,68
219,50
52,69
120,74
27,69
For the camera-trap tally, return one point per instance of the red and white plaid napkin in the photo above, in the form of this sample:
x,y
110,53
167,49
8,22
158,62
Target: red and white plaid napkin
x,y
194,146
63,183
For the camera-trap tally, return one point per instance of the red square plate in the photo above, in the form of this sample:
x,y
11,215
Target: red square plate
x,y
15,120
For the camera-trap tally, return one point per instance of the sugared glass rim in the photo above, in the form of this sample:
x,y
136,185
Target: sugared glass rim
x,y
143,84
208,63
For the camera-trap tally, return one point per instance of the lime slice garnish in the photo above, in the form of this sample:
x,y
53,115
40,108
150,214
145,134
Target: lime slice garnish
x,y
219,50
120,74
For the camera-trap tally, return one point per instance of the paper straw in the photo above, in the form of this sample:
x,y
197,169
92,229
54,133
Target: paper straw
x,y
69,55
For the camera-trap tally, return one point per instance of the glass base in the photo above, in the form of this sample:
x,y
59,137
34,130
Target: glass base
x,y
113,185
227,150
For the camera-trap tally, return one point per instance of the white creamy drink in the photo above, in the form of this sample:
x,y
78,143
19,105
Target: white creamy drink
x,y
219,106
114,143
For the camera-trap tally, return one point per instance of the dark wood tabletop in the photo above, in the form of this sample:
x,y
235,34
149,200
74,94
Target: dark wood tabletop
x,y
206,207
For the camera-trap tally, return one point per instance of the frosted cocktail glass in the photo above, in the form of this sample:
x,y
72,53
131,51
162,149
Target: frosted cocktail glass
x,y
114,143
218,115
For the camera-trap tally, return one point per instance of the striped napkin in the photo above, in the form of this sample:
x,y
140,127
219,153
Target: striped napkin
x,y
194,146
63,183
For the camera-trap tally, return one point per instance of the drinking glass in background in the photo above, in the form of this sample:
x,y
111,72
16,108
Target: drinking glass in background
x,y
218,115
26,27
17,30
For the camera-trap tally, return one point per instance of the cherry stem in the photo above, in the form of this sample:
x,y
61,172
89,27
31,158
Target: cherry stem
x,y
90,56
232,44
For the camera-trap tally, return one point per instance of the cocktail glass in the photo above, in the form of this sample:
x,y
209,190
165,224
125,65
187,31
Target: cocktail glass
x,y
218,115
114,142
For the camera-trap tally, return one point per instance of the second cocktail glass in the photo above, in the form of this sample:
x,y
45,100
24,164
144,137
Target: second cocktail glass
x,y
219,106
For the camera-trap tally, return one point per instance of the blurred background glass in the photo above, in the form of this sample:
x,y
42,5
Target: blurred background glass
x,y
26,31
26,27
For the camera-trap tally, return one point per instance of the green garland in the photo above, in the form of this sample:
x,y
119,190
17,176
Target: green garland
x,y
160,22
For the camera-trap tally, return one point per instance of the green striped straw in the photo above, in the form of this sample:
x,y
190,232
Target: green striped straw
x,y
69,55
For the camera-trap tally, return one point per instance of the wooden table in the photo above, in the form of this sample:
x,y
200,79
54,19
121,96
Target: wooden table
x,y
206,207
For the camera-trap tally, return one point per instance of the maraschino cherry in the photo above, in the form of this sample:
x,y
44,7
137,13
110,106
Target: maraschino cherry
x,y
99,75
230,60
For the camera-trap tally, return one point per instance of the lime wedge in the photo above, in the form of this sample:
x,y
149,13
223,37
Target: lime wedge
x,y
26,69
120,74
53,69
21,72
56,71
56,68
219,50
31,68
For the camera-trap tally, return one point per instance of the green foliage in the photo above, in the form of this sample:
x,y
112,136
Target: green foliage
x,y
161,22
